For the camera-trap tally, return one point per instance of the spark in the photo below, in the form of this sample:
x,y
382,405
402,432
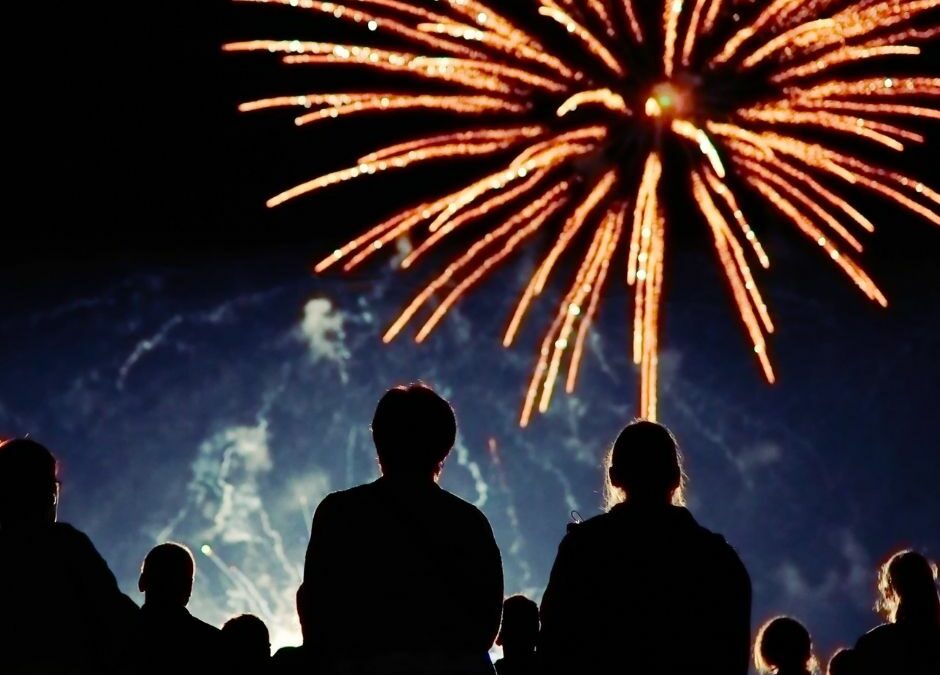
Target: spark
x,y
605,97
576,138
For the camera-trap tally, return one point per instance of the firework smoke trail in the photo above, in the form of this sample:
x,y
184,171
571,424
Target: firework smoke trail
x,y
584,130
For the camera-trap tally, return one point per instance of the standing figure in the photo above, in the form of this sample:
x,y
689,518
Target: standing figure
x,y
784,647
61,610
644,588
518,636
167,638
401,576
909,642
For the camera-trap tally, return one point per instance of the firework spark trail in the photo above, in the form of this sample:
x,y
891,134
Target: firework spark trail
x,y
577,136
512,514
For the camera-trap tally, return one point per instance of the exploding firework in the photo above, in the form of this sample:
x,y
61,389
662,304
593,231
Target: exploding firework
x,y
590,110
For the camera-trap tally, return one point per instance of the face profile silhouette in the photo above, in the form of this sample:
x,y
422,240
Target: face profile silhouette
x,y
29,491
166,577
520,625
247,641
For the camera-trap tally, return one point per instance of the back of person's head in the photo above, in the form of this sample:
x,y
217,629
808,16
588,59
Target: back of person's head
x,y
413,429
843,662
166,577
29,490
247,641
520,627
783,645
645,466
908,586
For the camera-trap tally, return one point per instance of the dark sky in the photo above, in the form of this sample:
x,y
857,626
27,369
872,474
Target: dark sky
x,y
128,141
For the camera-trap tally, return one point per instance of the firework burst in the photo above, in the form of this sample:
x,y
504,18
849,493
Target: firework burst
x,y
588,129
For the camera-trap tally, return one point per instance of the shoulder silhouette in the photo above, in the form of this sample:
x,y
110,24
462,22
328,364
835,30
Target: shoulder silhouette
x,y
167,638
909,642
401,575
61,608
784,647
247,645
291,661
518,636
643,587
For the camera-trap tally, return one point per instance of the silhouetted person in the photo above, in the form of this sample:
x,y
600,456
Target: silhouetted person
x,y
401,576
518,635
60,607
910,642
247,645
843,662
784,647
167,638
290,661
643,588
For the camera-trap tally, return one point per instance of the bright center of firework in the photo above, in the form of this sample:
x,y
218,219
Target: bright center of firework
x,y
666,100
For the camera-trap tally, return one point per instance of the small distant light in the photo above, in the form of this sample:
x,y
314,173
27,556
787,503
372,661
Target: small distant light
x,y
206,550
889,83
561,343
373,25
574,309
482,18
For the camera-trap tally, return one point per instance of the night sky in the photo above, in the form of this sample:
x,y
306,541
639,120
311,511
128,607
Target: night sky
x,y
161,331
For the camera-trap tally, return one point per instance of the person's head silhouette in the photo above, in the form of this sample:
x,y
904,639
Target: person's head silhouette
x,y
520,627
29,490
843,662
247,642
166,577
413,430
908,586
784,646
645,466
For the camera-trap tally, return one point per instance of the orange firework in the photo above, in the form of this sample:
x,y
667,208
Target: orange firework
x,y
584,132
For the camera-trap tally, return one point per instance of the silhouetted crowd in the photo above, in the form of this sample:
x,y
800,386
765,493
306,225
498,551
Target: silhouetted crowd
x,y
403,578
